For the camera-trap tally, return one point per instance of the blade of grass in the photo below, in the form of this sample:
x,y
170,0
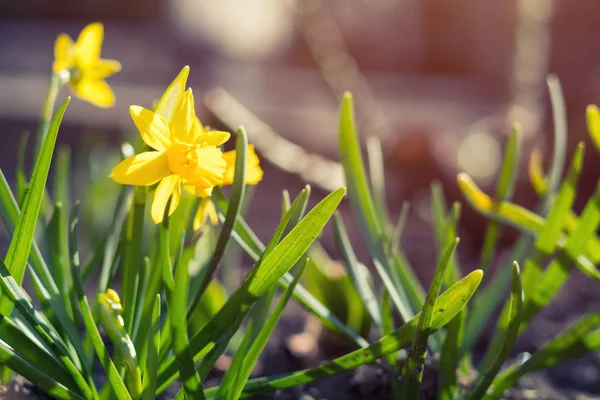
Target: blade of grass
x,y
393,358
413,373
21,175
552,279
259,344
28,369
360,277
581,338
254,248
236,200
22,239
151,364
559,117
401,282
450,356
397,235
112,373
134,234
45,330
260,280
43,280
593,124
511,326
377,175
453,300
504,191
177,294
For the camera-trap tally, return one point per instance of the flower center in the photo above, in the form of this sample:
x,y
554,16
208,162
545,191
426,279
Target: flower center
x,y
199,166
182,159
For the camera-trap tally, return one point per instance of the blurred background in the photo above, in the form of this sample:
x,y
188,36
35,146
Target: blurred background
x,y
438,81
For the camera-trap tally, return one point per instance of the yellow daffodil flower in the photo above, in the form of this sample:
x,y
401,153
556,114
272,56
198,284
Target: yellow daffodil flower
x,y
86,69
185,154
254,174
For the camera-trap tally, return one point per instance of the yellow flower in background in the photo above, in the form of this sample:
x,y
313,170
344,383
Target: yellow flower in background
x,y
185,154
254,174
87,70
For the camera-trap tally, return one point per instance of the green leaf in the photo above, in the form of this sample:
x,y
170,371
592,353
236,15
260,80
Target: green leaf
x,y
581,338
177,295
254,248
553,278
546,240
413,373
511,325
251,356
112,373
504,191
260,280
393,358
377,175
151,365
42,278
450,356
132,257
21,177
44,329
236,200
360,276
399,228
452,301
593,124
559,116
21,241
29,369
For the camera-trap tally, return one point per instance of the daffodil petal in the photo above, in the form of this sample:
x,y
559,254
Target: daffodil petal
x,y
102,68
196,191
206,210
95,91
173,95
153,128
213,138
89,43
210,169
169,186
64,55
254,172
183,120
143,169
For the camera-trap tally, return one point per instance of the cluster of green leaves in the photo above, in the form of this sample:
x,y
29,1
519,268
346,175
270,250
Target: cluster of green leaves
x,y
176,316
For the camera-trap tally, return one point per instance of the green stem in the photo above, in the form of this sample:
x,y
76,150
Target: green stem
x,y
56,83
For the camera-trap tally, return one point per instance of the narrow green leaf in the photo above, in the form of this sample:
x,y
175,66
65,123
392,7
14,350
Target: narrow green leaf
x,y
413,373
546,241
29,369
112,373
393,358
511,325
452,301
177,295
151,365
44,329
360,276
559,116
261,341
399,228
260,280
377,175
236,200
21,241
593,124
450,356
43,280
553,278
134,234
21,177
29,349
254,248
504,191
581,338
